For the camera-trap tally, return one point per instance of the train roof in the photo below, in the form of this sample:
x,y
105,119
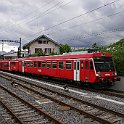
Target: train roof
x,y
64,56
70,56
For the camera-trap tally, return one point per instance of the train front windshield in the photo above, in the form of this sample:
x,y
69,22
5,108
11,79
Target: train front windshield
x,y
104,64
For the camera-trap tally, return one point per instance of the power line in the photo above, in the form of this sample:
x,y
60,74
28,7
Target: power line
x,y
38,9
51,8
94,35
77,16
62,5
44,12
75,26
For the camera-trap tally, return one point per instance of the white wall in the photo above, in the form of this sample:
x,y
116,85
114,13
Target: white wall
x,y
43,46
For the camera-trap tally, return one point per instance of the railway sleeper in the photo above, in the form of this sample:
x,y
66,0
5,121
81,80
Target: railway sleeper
x,y
22,105
24,111
40,122
14,108
28,116
112,118
34,119
116,120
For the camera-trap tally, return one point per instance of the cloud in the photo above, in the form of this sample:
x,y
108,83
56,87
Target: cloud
x,y
30,19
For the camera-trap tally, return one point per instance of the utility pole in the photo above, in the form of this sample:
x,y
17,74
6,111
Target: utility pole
x,y
19,49
2,46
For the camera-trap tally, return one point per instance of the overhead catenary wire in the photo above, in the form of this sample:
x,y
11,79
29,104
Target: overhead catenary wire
x,y
52,27
44,12
63,22
92,21
30,13
54,6
81,36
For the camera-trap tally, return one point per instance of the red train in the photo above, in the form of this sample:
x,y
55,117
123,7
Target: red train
x,y
95,68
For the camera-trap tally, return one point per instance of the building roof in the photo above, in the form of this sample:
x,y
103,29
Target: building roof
x,y
42,36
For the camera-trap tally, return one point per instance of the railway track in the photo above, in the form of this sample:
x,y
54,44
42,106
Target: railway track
x,y
93,111
22,111
109,92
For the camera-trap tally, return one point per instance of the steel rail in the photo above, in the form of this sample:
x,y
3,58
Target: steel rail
x,y
34,107
106,92
71,97
80,111
13,115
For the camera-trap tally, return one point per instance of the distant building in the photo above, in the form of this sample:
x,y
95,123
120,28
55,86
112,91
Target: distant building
x,y
13,55
42,44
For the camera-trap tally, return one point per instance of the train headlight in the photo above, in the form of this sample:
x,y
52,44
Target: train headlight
x,y
98,74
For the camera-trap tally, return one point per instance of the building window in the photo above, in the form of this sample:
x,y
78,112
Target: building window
x,y
40,41
47,50
54,64
38,50
43,41
61,65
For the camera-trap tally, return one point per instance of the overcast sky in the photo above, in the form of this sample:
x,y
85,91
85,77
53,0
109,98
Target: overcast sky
x,y
66,21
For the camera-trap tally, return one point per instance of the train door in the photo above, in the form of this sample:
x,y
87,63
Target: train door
x,y
20,66
9,65
23,66
92,72
77,70
82,70
87,71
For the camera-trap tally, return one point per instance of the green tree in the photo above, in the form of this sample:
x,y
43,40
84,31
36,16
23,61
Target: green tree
x,y
117,51
95,45
65,49
38,53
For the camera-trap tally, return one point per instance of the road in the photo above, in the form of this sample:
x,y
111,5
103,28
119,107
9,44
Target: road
x,y
119,85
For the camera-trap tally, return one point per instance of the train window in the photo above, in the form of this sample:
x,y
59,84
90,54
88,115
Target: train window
x,y
91,65
39,64
13,63
82,65
6,65
35,64
25,64
43,64
48,64
87,65
77,65
68,65
54,64
31,64
61,65
28,64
